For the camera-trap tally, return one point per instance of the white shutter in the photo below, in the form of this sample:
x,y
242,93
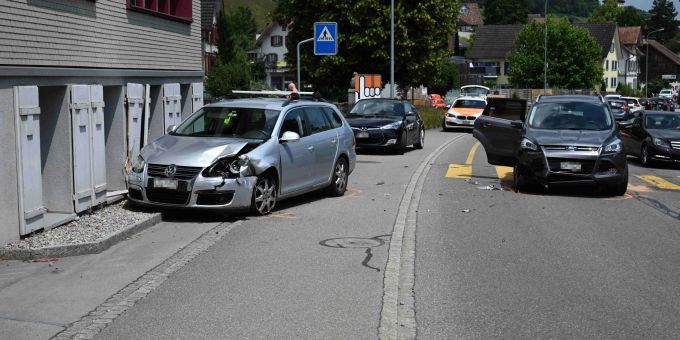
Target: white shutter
x,y
98,144
82,153
197,96
146,115
135,102
172,107
29,167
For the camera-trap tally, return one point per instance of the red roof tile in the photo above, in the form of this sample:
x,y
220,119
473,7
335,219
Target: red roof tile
x,y
629,35
472,16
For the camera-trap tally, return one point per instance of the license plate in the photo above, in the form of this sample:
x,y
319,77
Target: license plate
x,y
362,135
165,183
468,122
571,166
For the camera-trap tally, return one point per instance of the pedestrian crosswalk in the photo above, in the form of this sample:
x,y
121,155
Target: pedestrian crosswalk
x,y
504,174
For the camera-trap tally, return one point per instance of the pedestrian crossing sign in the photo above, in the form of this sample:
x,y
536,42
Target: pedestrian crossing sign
x,y
325,38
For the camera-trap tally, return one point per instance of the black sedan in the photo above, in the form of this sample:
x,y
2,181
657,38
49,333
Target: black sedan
x,y
652,136
386,123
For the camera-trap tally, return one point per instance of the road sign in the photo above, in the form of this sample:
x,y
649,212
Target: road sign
x,y
668,76
325,38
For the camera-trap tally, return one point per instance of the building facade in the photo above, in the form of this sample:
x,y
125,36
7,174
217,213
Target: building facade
x,y
662,63
630,39
270,46
83,86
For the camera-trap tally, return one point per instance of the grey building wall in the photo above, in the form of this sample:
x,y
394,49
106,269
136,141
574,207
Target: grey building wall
x,y
97,34
9,200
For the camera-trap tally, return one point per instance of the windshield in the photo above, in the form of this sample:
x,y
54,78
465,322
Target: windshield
x,y
378,108
470,104
570,116
474,91
229,122
662,122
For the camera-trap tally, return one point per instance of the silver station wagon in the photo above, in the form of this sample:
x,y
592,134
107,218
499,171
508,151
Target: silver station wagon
x,y
246,154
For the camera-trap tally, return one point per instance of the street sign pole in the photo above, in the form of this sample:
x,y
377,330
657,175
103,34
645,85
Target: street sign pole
x,y
392,49
298,60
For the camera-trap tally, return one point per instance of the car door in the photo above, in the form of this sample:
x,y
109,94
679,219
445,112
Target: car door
x,y
324,138
411,124
296,157
637,135
500,136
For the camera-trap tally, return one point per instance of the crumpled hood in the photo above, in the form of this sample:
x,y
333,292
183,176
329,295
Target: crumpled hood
x,y
191,151
569,137
369,122
665,134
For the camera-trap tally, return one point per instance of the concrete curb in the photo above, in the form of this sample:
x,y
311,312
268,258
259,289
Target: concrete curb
x,y
82,248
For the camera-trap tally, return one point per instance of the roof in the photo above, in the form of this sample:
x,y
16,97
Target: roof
x,y
629,35
603,34
663,50
471,17
265,33
494,41
570,98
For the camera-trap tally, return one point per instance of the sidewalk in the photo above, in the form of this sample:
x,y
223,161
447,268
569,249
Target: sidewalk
x,y
40,299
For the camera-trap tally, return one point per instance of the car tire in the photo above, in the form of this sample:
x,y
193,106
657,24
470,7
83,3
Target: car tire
x,y
444,128
619,189
401,146
518,181
644,155
339,179
265,194
421,140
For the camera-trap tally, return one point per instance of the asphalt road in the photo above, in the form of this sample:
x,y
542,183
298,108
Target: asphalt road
x,y
487,263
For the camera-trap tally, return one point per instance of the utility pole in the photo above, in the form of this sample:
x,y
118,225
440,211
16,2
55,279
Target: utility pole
x,y
545,51
392,49
299,85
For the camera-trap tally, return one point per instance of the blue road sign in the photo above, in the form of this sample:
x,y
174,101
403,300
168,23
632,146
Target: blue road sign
x,y
325,38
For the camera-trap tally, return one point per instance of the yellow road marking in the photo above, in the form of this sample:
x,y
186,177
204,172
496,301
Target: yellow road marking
x,y
463,171
505,173
659,182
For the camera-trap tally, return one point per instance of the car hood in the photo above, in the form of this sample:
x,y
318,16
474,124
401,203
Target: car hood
x,y
665,134
369,122
191,151
465,111
569,137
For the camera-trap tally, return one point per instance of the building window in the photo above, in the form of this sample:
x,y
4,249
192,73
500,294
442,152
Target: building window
x,y
611,48
606,65
613,82
615,65
277,40
271,59
606,82
179,10
284,28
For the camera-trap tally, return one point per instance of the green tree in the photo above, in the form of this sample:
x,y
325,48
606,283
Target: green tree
x,y
656,85
631,16
572,8
662,15
574,59
224,78
446,79
502,12
609,11
421,34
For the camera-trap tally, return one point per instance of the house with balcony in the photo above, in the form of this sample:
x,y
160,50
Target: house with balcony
x,y
83,86
210,13
469,19
270,46
630,39
607,36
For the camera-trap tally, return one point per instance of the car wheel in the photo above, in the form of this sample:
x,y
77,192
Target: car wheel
x,y
421,140
338,184
264,195
401,146
619,189
518,182
644,155
444,128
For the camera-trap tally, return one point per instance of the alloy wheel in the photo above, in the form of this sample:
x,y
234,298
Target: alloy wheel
x,y
265,195
340,176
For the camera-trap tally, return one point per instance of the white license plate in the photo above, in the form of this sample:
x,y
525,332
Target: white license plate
x,y
468,122
362,135
165,183
571,166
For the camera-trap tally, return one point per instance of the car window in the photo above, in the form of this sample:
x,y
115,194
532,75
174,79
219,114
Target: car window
x,y
378,108
317,120
662,122
570,116
469,104
295,121
229,122
333,117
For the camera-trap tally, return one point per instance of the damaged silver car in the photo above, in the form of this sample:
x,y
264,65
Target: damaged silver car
x,y
246,154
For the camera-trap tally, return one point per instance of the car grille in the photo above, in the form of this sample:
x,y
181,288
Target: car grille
x,y
183,172
675,145
466,117
564,148
375,136
587,166
168,196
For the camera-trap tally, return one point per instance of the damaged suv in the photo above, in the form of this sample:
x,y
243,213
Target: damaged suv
x,y
563,140
246,154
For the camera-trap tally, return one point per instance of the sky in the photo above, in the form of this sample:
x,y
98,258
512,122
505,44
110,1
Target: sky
x,y
647,5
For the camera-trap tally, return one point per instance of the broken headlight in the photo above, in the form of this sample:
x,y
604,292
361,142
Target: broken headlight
x,y
229,167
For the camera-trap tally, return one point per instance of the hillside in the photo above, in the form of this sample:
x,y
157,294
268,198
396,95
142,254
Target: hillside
x,y
260,9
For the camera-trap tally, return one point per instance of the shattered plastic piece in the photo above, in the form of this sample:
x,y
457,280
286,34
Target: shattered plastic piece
x,y
380,183
466,210
489,187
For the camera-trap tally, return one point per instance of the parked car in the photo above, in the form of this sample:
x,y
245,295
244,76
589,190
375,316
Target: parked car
x,y
463,112
387,123
666,93
619,108
633,104
439,104
613,96
647,103
246,154
666,104
563,140
652,136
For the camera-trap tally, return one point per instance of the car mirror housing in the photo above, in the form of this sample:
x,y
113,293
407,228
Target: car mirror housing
x,y
289,137
171,129
517,124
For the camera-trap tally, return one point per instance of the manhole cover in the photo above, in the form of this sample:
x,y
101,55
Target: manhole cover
x,y
352,242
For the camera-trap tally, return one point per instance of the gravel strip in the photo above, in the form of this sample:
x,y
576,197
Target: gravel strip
x,y
85,229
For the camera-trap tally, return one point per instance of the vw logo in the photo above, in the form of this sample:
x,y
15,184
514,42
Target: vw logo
x,y
571,148
171,170
363,128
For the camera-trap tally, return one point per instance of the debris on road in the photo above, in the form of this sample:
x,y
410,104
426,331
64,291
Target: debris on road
x,y
54,259
380,183
489,187
466,210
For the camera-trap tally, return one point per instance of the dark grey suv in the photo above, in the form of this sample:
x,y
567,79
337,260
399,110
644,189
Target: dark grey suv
x,y
562,140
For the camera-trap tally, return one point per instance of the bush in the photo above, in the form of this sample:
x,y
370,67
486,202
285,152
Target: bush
x,y
432,117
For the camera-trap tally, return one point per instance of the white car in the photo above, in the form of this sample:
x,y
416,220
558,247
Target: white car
x,y
667,93
633,104
463,112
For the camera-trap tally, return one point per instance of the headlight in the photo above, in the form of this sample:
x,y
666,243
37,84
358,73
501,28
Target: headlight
x,y
661,143
391,126
526,144
614,146
138,165
225,167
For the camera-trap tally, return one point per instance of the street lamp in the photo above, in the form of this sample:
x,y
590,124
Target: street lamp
x,y
647,60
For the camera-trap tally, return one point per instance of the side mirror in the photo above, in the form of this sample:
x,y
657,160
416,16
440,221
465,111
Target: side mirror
x,y
289,137
171,129
517,124
624,124
411,117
